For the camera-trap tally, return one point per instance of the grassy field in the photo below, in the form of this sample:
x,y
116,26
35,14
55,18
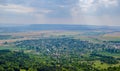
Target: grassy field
x,y
110,54
114,36
22,70
100,65
95,36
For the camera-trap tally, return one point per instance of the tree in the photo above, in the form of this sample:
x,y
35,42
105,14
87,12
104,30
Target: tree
x,y
1,69
32,69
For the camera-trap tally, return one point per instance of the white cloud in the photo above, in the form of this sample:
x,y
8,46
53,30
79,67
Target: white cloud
x,y
85,12
16,8
44,11
93,5
86,4
108,3
82,12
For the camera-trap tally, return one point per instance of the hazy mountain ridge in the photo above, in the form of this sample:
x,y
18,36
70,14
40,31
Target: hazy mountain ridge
x,y
35,27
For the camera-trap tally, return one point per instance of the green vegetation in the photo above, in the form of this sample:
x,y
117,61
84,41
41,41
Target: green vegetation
x,y
19,61
65,53
61,52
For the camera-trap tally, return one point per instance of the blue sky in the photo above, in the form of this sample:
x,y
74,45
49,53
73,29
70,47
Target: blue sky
x,y
85,12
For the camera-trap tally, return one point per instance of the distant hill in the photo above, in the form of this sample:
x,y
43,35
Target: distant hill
x,y
36,27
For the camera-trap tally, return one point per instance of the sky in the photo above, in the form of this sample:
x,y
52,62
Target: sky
x,y
83,12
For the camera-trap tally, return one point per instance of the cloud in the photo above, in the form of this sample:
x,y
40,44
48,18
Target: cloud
x,y
93,5
44,11
85,5
108,3
16,8
98,12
